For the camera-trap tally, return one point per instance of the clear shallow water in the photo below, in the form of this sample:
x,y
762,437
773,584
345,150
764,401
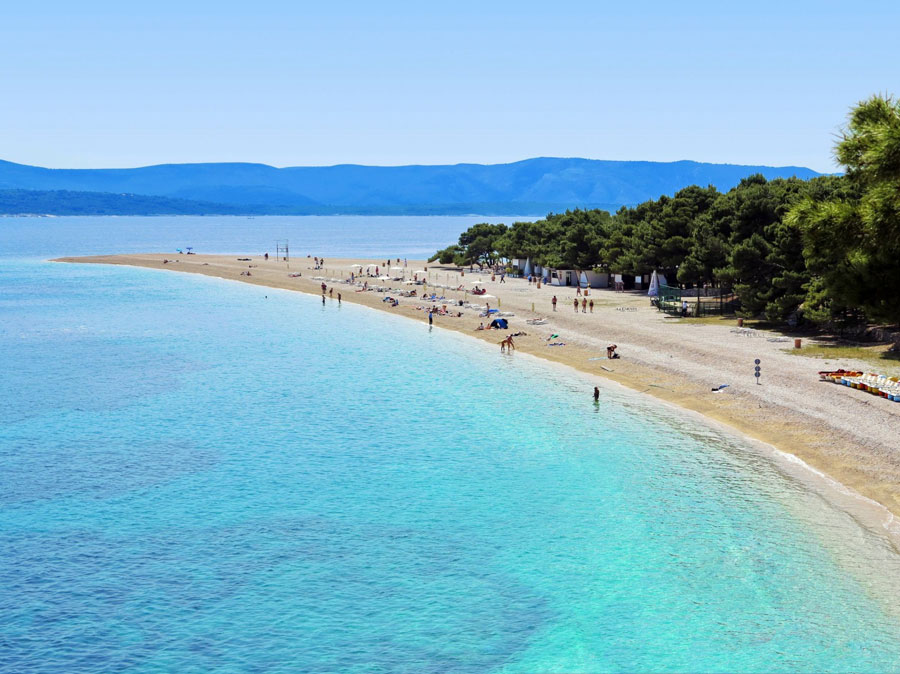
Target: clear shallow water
x,y
199,477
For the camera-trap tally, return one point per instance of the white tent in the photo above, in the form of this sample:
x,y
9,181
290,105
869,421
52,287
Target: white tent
x,y
527,270
656,280
654,285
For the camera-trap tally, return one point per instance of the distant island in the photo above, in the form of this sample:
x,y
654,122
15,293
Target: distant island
x,y
530,187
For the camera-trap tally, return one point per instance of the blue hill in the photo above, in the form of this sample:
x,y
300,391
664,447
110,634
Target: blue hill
x,y
532,186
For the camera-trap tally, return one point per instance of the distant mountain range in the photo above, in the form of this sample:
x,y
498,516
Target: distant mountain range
x,y
529,187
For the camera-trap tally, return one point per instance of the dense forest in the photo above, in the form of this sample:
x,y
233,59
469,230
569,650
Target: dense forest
x,y
825,250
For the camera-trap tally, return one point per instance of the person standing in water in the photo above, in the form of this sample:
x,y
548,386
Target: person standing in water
x,y
339,298
596,394
554,302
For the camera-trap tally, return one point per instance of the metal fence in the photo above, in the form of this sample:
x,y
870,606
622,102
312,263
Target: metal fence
x,y
672,301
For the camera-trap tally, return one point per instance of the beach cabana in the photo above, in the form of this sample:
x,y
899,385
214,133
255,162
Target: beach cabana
x,y
564,277
592,279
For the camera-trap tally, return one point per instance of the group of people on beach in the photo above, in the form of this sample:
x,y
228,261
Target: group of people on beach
x,y
585,304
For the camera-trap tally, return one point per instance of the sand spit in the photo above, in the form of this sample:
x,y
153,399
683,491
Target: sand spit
x,y
846,434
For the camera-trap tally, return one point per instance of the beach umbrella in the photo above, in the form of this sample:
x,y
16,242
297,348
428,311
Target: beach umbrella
x,y
400,269
477,283
356,266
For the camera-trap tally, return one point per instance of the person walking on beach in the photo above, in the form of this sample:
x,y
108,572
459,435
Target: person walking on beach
x,y
502,278
576,305
554,302
578,291
324,288
584,305
591,305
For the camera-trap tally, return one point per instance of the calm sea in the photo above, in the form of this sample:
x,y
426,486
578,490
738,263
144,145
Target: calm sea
x,y
200,475
326,236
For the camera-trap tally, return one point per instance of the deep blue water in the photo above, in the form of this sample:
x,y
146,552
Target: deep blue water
x,y
198,475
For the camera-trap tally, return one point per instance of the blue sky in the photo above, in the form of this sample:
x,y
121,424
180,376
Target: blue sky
x,y
105,84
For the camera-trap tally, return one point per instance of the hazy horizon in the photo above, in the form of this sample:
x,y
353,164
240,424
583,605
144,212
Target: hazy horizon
x,y
460,163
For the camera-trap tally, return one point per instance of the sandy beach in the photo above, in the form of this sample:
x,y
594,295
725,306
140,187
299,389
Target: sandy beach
x,y
846,434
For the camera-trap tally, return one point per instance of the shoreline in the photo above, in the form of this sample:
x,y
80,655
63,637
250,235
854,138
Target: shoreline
x,y
674,368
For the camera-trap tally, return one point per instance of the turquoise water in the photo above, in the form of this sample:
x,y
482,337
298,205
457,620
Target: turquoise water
x,y
200,475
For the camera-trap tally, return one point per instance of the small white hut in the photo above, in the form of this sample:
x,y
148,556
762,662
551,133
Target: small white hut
x,y
564,277
592,279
